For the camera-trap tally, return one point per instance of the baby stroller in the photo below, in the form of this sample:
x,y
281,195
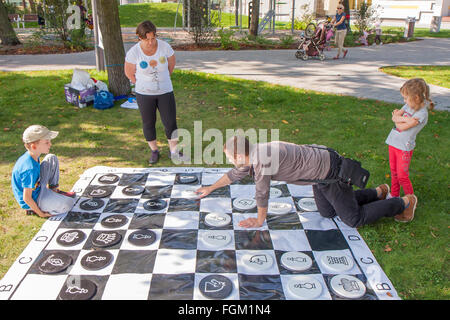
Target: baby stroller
x,y
314,40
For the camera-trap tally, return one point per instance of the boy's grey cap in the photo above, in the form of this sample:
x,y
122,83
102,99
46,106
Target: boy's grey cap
x,y
38,132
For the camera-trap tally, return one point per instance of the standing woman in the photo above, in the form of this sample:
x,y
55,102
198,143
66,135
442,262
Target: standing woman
x,y
149,64
341,30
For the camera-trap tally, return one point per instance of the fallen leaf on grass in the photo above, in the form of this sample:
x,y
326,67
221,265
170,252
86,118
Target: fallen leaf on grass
x,y
434,236
284,121
387,248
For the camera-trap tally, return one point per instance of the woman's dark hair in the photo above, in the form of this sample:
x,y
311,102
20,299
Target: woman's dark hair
x,y
145,27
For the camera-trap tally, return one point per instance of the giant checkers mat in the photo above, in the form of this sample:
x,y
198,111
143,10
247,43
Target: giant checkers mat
x,y
144,234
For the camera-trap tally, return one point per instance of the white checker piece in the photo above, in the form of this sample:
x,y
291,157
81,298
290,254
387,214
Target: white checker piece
x,y
275,193
244,203
216,238
337,261
347,286
276,207
304,287
296,261
307,204
217,219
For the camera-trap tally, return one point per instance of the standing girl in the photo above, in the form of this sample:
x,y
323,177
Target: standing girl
x,y
409,120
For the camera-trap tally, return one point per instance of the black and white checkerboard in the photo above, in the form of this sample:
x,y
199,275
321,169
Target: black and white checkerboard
x,y
173,266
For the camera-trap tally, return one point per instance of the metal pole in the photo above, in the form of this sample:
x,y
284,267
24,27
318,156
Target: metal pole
x,y
293,16
242,13
99,57
236,12
274,15
176,16
189,15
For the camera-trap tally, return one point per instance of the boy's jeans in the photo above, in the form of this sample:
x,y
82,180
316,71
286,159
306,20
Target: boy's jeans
x,y
48,200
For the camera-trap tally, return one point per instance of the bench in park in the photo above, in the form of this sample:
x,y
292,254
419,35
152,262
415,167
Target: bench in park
x,y
22,19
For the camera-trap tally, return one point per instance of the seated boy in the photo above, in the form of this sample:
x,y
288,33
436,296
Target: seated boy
x,y
31,176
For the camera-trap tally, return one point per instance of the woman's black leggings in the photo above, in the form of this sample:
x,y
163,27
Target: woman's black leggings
x,y
165,103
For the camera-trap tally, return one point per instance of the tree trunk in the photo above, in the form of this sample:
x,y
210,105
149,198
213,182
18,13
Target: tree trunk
x,y
236,12
346,4
255,18
33,6
108,18
7,33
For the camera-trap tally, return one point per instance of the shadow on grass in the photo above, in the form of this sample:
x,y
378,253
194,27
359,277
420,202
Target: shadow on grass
x,y
355,126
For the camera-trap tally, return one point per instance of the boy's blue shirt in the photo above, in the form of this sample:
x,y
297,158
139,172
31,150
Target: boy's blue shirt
x,y
26,174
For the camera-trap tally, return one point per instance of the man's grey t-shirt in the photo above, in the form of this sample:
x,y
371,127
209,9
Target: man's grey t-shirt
x,y
282,161
406,140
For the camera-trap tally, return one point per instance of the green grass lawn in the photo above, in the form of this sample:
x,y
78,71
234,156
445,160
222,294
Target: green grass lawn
x,y
419,32
437,75
163,15
415,256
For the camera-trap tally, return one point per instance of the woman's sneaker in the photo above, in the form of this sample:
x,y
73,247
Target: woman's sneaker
x,y
408,214
154,157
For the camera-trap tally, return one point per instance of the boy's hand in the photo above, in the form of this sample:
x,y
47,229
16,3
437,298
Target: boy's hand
x,y
43,214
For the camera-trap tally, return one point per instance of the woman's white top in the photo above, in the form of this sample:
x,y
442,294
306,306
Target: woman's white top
x,y
152,72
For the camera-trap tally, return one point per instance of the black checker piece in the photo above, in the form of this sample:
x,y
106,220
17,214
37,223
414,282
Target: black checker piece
x,y
71,238
114,221
133,190
142,238
54,262
100,192
108,178
216,286
103,239
155,205
92,204
186,178
83,290
96,260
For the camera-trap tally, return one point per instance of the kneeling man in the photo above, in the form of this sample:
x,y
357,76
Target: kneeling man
x,y
283,161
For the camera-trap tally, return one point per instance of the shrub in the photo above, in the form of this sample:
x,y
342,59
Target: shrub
x,y
365,16
287,41
202,30
226,39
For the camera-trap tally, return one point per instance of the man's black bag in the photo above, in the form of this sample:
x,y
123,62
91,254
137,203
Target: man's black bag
x,y
351,172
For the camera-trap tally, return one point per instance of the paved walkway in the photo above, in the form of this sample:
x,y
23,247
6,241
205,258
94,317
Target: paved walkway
x,y
357,75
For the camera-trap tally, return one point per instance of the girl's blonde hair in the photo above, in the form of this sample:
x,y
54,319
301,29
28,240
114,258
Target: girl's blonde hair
x,y
419,88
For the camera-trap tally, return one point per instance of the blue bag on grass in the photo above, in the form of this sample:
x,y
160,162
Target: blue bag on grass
x,y
103,100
